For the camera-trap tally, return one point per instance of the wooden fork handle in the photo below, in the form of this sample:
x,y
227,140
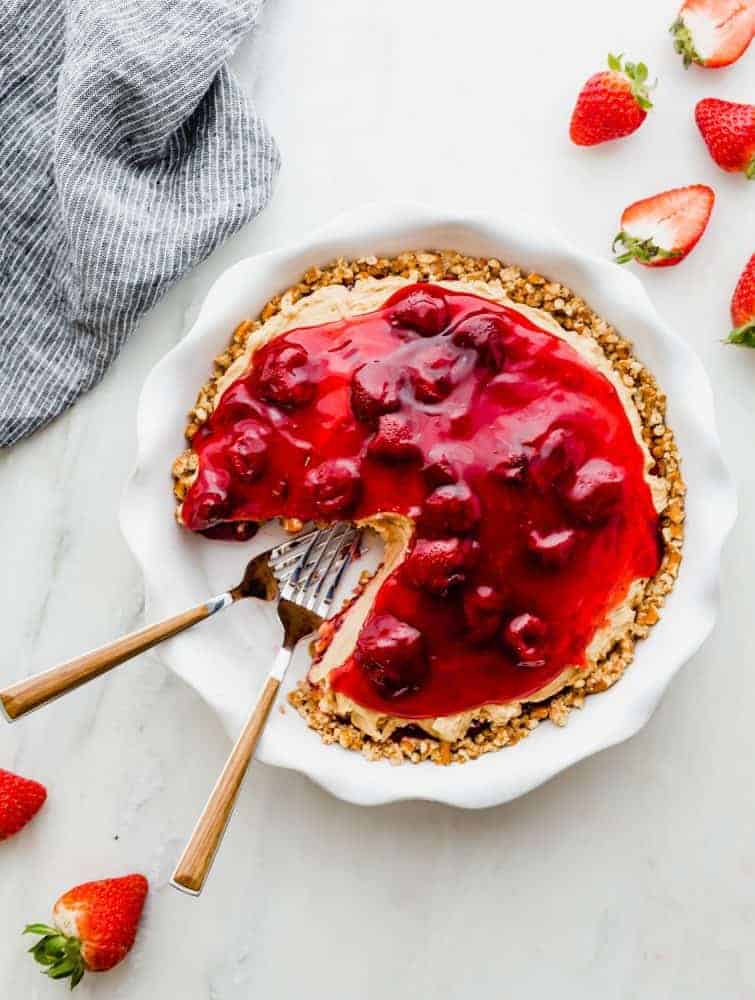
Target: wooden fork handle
x,y
26,695
195,862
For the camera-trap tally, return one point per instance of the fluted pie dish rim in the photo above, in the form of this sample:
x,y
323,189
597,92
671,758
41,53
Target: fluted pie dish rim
x,y
166,556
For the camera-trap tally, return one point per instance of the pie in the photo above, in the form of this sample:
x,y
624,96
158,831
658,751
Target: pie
x,y
508,448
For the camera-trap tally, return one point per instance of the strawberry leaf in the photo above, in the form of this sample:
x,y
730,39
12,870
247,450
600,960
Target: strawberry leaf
x,y
645,251
744,335
684,44
637,74
60,955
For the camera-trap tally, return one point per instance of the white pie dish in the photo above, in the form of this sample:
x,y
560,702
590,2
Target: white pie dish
x,y
226,658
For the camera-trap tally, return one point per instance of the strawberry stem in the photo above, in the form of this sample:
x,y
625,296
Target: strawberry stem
x,y
684,44
744,334
61,955
750,170
644,251
637,74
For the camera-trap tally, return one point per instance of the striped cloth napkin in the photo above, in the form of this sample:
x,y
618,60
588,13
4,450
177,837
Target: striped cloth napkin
x,y
127,153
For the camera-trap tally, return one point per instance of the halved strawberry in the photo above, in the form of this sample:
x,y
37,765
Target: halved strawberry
x,y
20,800
94,927
713,33
661,230
729,133
612,104
743,307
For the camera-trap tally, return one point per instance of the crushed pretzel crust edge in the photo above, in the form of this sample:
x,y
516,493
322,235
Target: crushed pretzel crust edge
x,y
572,313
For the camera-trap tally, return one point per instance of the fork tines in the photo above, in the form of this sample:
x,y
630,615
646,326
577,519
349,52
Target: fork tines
x,y
310,567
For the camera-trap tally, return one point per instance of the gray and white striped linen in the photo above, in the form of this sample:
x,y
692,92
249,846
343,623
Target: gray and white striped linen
x,y
127,153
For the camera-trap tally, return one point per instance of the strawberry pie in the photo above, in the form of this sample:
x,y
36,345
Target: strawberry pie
x,y
513,456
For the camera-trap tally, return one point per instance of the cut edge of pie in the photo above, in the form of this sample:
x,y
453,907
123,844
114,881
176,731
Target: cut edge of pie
x,y
469,734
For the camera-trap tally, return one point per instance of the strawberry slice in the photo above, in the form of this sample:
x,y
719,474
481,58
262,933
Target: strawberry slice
x,y
20,800
94,927
729,133
612,104
713,33
743,307
660,231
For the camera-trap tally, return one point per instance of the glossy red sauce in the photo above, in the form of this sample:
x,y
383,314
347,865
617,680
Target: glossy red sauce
x,y
514,457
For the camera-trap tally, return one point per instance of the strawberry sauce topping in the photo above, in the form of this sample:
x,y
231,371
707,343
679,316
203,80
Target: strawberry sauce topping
x,y
514,457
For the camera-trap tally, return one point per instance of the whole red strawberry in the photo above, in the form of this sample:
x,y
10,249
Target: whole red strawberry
x,y
661,230
729,133
612,104
20,800
94,927
743,307
713,33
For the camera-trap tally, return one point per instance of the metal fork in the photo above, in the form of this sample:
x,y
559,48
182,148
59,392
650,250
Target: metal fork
x,y
32,692
305,588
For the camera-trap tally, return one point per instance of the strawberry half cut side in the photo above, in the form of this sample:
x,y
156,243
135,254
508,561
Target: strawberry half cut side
x,y
661,230
713,33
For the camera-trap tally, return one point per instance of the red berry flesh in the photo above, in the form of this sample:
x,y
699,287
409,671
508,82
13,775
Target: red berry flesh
x,y
423,310
512,468
392,655
210,507
334,486
239,403
558,455
373,391
525,636
444,462
485,334
552,549
483,608
247,455
596,493
438,565
451,510
284,377
396,439
437,371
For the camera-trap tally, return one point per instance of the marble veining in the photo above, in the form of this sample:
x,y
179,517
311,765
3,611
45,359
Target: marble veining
x,y
631,876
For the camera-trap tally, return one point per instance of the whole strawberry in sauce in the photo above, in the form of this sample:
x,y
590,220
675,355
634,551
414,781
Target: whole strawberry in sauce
x,y
525,636
483,608
437,370
374,391
438,565
486,334
451,510
247,455
392,654
284,378
596,493
333,486
423,309
395,440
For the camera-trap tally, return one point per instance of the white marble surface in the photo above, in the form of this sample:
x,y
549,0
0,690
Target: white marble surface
x,y
632,875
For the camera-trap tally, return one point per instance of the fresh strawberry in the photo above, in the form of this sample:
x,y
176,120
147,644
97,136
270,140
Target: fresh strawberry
x,y
661,230
743,307
729,133
94,926
713,33
612,104
20,800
